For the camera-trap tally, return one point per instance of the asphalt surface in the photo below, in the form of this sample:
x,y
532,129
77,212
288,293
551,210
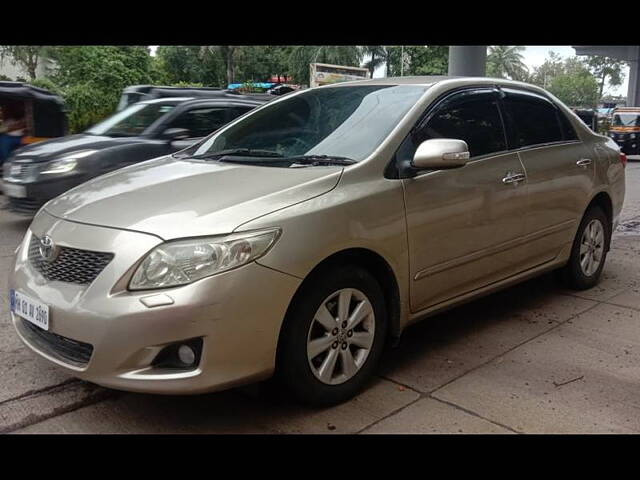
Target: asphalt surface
x,y
532,358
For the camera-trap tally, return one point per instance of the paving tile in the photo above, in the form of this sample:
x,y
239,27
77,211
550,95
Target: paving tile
x,y
442,348
582,377
228,412
432,416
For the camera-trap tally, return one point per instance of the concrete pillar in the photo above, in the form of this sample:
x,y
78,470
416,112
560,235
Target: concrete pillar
x,y
633,91
468,60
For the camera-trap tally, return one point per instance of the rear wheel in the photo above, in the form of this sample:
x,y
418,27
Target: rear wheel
x,y
589,250
333,336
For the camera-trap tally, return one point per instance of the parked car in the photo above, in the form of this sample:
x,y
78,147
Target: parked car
x,y
148,129
138,93
625,129
302,237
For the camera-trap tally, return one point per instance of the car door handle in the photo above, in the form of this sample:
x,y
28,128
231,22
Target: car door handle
x,y
513,178
583,162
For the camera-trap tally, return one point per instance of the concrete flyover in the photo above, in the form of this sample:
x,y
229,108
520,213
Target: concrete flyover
x,y
629,53
471,61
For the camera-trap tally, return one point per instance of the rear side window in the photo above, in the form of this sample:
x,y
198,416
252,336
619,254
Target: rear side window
x,y
201,122
472,116
533,120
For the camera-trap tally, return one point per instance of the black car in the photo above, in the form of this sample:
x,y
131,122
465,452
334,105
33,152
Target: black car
x,y
37,173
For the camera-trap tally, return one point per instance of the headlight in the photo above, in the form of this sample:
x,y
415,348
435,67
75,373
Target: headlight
x,y
632,136
184,261
66,163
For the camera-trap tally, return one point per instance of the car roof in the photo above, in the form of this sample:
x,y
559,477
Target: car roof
x,y
222,100
431,80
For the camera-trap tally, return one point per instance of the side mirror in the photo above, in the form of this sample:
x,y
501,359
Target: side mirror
x,y
440,153
171,134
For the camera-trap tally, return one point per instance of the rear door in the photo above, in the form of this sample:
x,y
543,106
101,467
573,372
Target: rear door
x,y
559,168
464,224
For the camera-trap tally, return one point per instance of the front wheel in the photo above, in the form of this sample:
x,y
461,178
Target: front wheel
x,y
333,336
589,251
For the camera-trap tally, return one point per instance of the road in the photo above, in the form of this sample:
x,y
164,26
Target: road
x,y
534,358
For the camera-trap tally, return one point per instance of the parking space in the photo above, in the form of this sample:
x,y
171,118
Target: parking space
x,y
533,358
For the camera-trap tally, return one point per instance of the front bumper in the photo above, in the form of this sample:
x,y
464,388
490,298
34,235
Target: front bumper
x,y
238,315
36,194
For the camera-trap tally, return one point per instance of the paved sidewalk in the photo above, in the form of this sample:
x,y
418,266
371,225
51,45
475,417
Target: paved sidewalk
x,y
532,358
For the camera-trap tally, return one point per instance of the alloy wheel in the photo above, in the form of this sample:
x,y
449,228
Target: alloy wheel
x,y
340,336
592,247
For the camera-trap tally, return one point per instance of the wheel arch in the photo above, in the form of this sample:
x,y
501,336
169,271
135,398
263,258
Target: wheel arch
x,y
603,200
375,264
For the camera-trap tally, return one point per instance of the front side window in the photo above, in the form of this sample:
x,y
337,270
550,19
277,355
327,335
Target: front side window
x,y
132,121
346,121
534,119
472,116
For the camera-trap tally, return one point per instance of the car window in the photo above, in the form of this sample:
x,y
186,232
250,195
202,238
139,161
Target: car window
x,y
533,119
201,121
346,121
472,116
132,121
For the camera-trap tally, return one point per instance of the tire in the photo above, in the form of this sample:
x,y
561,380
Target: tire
x,y
325,376
575,275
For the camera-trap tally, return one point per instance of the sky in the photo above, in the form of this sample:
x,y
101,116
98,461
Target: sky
x,y
534,56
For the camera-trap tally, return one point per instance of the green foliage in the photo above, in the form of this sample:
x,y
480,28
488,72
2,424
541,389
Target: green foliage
x,y
607,71
416,60
504,61
4,78
570,80
47,84
27,57
91,79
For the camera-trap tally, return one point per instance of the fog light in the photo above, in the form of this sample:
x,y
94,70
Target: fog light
x,y
186,354
183,355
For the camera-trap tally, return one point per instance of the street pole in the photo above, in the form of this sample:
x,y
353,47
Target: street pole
x,y
402,60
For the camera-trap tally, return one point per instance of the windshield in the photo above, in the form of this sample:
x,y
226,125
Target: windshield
x,y
626,120
348,122
132,121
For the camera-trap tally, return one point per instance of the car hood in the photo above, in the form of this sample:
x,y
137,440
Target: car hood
x,y
173,198
54,148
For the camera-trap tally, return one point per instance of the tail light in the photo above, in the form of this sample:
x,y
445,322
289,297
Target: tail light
x,y
623,159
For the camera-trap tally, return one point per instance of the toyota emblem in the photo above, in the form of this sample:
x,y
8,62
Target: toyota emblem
x,y
48,250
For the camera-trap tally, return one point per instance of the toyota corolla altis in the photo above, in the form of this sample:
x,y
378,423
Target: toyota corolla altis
x,y
302,237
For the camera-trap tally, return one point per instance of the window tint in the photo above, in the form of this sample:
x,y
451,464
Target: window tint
x,y
534,119
201,122
469,116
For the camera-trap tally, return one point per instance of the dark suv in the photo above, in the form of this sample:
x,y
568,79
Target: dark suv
x,y
37,173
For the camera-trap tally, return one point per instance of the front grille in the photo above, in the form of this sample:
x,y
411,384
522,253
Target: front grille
x,y
71,265
62,348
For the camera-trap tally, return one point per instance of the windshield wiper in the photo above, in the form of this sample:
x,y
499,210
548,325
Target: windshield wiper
x,y
239,152
320,160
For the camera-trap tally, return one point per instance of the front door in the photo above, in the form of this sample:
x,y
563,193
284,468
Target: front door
x,y
465,224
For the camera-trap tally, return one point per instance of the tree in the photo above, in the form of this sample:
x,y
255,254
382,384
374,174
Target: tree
x,y
27,57
91,78
606,70
418,60
376,54
570,80
506,61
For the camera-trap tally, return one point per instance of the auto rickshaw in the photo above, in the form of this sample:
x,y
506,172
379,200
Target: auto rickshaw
x,y
625,129
42,111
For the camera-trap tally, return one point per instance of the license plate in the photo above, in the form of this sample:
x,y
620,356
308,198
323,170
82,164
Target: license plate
x,y
31,310
16,191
